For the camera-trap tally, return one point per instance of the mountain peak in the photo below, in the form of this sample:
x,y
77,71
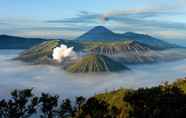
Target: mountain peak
x,y
101,29
98,33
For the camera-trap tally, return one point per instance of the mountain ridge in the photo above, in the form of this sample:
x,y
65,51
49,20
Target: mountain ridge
x,y
16,42
101,33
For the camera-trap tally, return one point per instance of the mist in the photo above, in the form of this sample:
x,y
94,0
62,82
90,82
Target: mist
x,y
18,75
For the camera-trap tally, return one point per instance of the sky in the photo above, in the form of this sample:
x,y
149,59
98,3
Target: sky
x,y
68,19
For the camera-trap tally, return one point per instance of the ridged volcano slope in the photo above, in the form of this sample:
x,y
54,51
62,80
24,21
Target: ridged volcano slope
x,y
127,52
119,47
95,63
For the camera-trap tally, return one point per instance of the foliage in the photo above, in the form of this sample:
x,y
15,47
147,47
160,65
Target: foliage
x,y
164,101
157,102
22,105
25,105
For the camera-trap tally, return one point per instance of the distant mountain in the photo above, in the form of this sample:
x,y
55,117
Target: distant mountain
x,y
14,42
95,63
98,33
152,42
101,33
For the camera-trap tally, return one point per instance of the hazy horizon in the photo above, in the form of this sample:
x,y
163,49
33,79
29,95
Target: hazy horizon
x,y
69,19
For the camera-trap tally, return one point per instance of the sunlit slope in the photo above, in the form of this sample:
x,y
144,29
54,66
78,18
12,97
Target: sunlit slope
x,y
95,63
158,98
40,53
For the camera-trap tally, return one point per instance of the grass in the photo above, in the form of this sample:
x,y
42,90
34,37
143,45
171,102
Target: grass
x,y
115,99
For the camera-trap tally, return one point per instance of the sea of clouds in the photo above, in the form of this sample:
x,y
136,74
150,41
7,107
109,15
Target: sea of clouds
x,y
14,74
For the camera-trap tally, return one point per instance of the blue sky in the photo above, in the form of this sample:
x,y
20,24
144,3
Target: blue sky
x,y
70,18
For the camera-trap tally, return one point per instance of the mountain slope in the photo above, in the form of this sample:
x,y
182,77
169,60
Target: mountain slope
x,y
39,54
42,53
95,63
127,52
13,42
113,48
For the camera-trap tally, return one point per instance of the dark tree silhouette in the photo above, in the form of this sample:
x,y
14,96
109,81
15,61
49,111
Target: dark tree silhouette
x,y
22,105
48,105
157,102
66,110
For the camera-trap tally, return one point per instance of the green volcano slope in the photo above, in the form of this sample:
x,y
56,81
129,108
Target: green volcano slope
x,y
95,63
39,54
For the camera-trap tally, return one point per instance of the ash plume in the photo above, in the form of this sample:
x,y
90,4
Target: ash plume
x,y
62,52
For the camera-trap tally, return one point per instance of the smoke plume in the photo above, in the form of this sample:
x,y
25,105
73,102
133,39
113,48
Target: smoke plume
x,y
60,53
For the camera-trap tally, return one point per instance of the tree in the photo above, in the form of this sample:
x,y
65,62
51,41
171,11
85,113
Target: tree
x,y
18,106
48,105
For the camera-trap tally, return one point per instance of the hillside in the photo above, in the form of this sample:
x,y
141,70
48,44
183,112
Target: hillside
x,y
39,54
95,63
42,53
165,100
13,42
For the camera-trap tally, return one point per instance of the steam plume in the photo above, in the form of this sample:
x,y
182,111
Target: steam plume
x,y
60,53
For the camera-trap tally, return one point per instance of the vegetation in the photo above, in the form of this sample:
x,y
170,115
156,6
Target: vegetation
x,y
24,104
163,101
95,63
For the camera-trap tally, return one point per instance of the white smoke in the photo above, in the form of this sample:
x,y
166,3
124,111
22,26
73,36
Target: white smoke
x,y
62,52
